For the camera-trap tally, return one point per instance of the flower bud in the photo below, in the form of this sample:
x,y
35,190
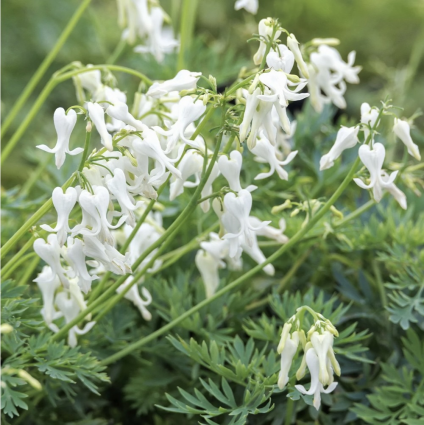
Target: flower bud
x,y
284,335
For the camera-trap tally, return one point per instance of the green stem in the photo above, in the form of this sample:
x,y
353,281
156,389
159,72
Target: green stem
x,y
29,270
296,238
15,265
186,30
289,411
31,221
35,176
119,49
17,256
44,66
170,233
86,146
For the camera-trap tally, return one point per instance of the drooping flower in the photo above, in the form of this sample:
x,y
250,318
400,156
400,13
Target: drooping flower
x,y
76,257
323,346
70,309
189,111
160,41
63,203
347,137
399,196
208,267
149,147
94,215
265,29
236,221
369,117
267,152
293,45
281,60
402,130
373,160
250,6
107,255
119,111
50,252
191,164
270,231
134,296
64,124
230,168
97,115
90,81
184,80
287,354
316,387
207,188
48,283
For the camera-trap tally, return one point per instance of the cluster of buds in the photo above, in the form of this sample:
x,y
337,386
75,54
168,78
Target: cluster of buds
x,y
319,357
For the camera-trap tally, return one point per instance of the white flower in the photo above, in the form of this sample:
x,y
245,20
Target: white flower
x,y
134,296
107,255
236,221
208,267
97,115
94,215
48,283
253,250
267,152
160,40
134,16
230,169
265,29
63,203
269,231
373,161
323,346
191,164
149,147
262,118
289,350
250,6
293,45
75,256
369,117
278,83
316,387
117,186
119,111
402,130
70,309
50,252
207,188
399,196
90,80
64,124
184,80
347,137
188,112
252,102
282,60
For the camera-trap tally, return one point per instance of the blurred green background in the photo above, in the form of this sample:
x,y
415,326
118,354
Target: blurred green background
x,y
388,36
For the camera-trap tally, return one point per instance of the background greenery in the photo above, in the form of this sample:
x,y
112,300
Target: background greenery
x,y
373,264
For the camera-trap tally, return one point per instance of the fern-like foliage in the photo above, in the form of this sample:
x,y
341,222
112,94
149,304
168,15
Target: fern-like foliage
x,y
399,397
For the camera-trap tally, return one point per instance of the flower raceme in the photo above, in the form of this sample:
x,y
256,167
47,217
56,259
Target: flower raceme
x,y
319,357
156,141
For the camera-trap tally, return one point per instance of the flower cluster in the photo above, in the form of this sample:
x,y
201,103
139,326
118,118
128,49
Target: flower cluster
x,y
319,358
372,153
142,20
103,222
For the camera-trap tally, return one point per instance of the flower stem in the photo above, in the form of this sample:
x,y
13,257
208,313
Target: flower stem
x,y
15,264
17,256
85,153
296,238
44,66
186,30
